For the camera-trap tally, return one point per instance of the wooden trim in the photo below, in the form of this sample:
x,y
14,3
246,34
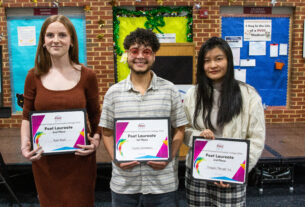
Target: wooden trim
x,y
179,49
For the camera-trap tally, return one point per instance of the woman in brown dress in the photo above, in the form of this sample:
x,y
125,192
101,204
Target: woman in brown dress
x,y
59,82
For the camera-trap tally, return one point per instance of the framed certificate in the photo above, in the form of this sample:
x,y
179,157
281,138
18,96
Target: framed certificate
x,y
58,131
142,139
220,160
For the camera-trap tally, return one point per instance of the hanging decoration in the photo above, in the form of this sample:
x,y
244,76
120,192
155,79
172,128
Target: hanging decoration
x,y
273,2
1,4
34,1
55,3
100,36
160,2
1,36
113,3
87,8
138,0
101,23
197,6
154,20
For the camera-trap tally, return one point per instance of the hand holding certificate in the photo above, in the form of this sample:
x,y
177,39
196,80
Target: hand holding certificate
x,y
142,139
220,160
58,131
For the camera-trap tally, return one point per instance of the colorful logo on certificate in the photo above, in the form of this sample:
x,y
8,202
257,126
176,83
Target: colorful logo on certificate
x,y
36,138
120,144
197,162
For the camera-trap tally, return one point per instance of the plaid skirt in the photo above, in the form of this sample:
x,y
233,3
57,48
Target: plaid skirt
x,y
203,193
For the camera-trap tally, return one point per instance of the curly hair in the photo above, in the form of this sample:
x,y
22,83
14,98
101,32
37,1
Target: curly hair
x,y
142,37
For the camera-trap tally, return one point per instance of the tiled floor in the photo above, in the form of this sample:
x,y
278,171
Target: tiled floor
x,y
274,195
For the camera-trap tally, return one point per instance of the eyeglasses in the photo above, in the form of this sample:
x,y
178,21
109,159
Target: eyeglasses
x,y
136,51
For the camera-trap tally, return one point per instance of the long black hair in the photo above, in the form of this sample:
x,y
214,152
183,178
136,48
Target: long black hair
x,y
230,99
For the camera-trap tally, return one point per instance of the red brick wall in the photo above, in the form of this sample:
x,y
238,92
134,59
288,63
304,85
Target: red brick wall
x,y
100,51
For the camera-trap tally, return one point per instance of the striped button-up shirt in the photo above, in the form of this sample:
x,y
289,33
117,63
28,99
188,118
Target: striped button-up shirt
x,y
161,99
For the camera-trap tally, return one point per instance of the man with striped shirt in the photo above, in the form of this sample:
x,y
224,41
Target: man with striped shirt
x,y
143,94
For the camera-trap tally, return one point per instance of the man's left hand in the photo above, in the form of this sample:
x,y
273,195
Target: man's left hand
x,y
157,165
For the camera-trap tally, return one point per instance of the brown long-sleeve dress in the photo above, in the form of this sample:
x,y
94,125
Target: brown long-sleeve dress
x,y
65,180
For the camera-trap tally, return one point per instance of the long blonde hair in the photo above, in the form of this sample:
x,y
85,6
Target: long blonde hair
x,y
43,60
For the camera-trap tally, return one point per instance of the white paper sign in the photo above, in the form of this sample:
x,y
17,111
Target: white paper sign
x,y
167,38
240,74
283,49
274,50
234,41
247,62
236,55
257,48
257,30
26,36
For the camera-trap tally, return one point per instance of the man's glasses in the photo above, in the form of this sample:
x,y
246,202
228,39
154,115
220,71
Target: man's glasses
x,y
136,51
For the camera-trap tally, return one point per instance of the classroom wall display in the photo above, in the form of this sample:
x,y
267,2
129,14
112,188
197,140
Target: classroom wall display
x,y
172,25
23,36
260,47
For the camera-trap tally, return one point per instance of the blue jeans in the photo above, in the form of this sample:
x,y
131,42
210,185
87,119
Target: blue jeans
x,y
145,200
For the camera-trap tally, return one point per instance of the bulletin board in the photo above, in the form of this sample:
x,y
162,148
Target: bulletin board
x,y
22,48
261,73
161,20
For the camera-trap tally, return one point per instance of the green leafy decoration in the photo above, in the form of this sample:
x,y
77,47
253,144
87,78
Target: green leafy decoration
x,y
154,20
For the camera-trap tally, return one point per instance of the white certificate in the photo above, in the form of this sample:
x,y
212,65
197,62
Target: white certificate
x,y
58,131
142,139
220,160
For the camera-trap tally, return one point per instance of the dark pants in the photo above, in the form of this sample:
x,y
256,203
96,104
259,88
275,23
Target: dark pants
x,y
145,200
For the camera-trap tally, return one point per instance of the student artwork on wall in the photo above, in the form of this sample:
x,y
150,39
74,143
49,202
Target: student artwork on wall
x,y
23,36
264,46
172,25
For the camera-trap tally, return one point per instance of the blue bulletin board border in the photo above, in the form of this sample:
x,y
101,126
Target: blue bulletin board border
x,y
21,58
270,83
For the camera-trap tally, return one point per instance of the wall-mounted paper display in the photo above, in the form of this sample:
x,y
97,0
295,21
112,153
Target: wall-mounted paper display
x,y
26,36
234,41
283,49
247,62
240,74
236,55
257,29
274,50
257,48
167,38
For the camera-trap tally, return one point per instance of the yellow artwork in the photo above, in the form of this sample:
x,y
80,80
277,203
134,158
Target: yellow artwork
x,y
173,25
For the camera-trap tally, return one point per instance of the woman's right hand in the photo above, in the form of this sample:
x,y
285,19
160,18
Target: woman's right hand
x,y
207,133
31,155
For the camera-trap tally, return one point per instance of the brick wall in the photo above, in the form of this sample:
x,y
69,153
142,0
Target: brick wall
x,y
100,51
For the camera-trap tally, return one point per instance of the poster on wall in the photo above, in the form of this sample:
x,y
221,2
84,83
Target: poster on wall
x,y
26,36
257,30
23,36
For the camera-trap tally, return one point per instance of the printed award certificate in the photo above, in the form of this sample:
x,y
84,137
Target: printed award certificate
x,y
142,139
220,160
58,131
